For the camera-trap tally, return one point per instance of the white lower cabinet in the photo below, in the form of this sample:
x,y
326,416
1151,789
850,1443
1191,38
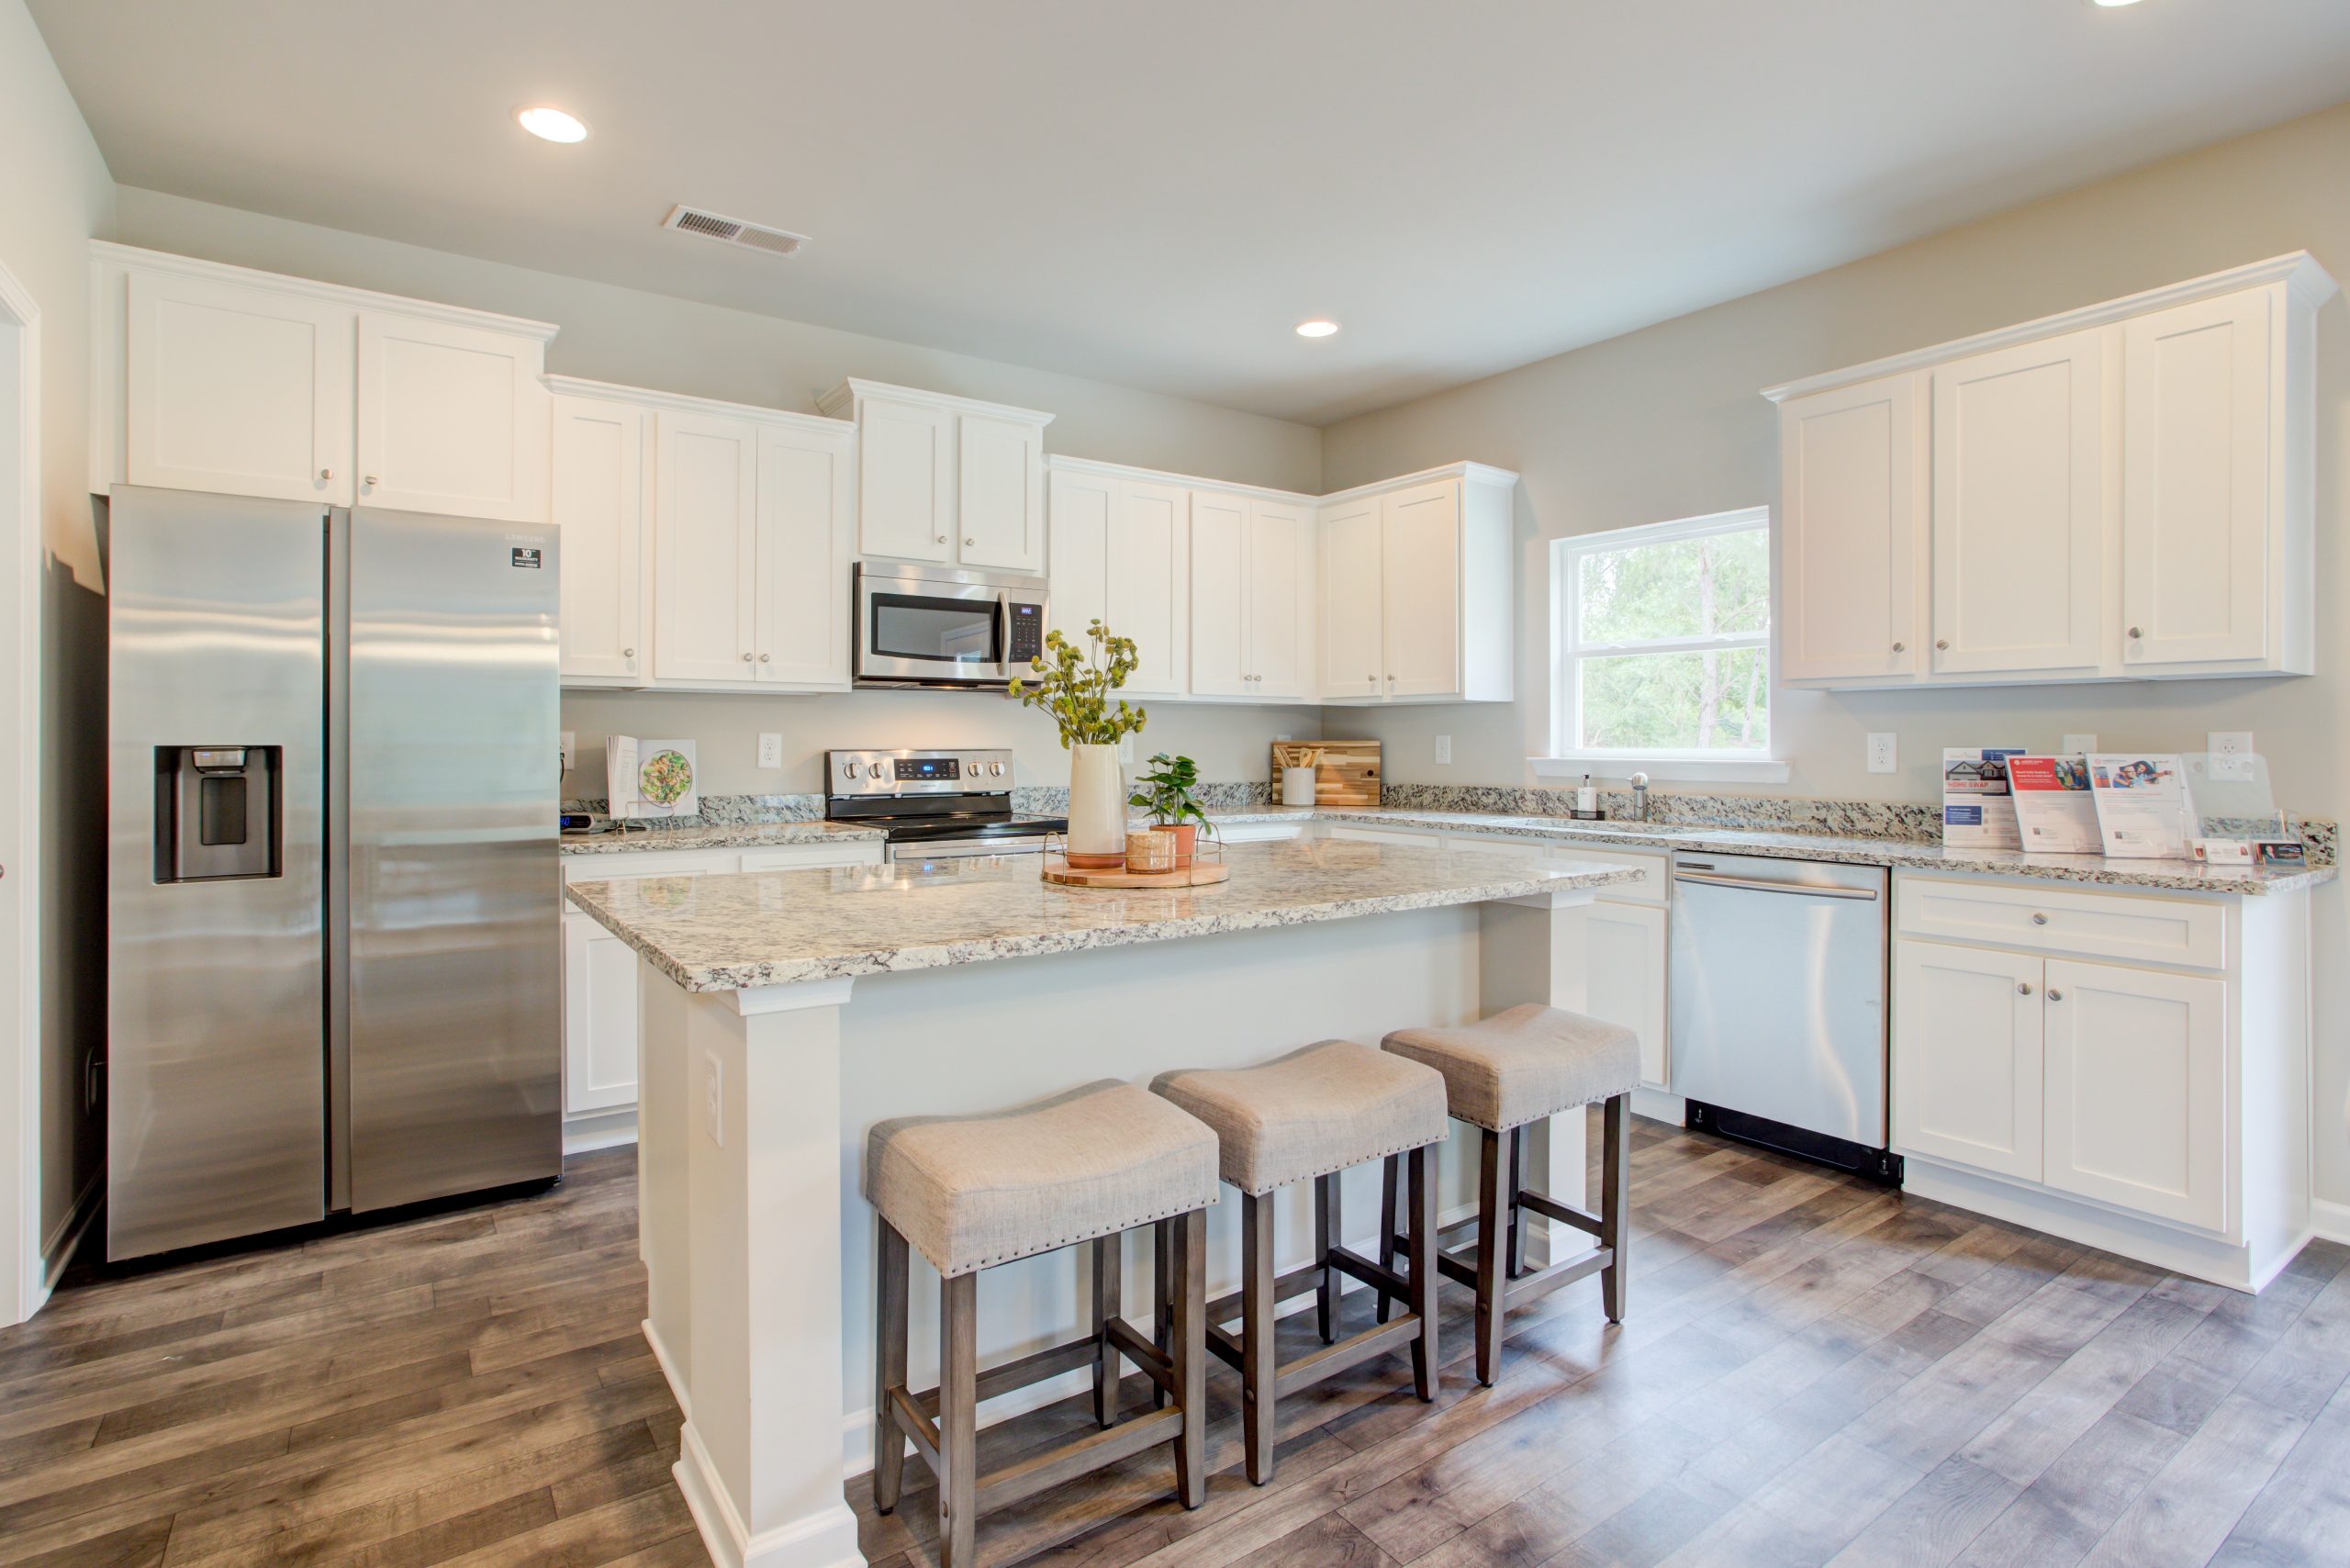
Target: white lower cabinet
x,y
1627,946
2137,1092
1967,1057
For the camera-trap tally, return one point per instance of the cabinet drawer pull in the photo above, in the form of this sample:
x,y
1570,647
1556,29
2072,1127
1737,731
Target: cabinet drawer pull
x,y
2039,919
2023,988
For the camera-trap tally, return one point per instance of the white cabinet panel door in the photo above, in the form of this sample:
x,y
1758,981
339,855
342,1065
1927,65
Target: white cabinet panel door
x,y
1280,581
1082,508
598,500
1001,494
905,469
1967,1057
452,419
805,545
242,391
598,1017
1354,652
1147,572
1627,981
2137,1090
1853,512
1420,564
706,549
2195,484
2019,496
1220,595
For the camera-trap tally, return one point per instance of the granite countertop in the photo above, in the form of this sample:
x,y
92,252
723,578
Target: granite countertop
x,y
715,836
2184,876
760,928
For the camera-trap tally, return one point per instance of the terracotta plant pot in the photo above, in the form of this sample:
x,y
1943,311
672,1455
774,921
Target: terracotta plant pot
x,y
1187,842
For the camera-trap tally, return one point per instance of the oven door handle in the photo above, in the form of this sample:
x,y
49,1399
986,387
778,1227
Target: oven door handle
x,y
1754,885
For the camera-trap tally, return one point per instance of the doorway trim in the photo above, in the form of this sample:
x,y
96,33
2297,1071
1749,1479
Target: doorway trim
x,y
24,1281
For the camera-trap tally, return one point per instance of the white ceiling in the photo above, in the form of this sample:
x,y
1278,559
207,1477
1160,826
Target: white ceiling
x,y
1155,194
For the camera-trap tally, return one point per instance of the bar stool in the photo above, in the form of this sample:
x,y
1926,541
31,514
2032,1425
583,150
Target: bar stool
x,y
1500,1073
970,1192
1306,1116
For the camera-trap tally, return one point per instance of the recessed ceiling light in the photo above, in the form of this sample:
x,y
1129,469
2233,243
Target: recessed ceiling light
x,y
551,124
1316,329
2108,4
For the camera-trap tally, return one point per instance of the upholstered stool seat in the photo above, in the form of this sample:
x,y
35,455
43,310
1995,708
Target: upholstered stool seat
x,y
970,1192
1502,1074
1308,1116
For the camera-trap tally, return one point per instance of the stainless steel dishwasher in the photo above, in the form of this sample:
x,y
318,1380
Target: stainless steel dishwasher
x,y
1778,1015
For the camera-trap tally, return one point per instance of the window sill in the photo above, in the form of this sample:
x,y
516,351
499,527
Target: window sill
x,y
1668,769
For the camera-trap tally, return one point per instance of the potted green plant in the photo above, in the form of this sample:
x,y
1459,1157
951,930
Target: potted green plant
x,y
1074,686
1166,793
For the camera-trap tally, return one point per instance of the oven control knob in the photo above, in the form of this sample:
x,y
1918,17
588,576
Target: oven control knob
x,y
875,770
848,770
996,768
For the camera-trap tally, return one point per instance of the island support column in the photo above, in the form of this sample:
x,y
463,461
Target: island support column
x,y
1537,950
761,1461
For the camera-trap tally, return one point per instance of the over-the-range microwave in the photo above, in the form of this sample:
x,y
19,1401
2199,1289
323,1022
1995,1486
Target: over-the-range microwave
x,y
940,626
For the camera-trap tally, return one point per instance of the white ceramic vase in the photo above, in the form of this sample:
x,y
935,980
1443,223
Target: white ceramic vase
x,y
1097,807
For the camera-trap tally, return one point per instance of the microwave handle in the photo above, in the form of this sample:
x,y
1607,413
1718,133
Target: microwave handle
x,y
1004,627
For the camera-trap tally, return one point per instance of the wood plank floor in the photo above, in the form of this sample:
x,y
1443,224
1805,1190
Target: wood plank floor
x,y
1813,1371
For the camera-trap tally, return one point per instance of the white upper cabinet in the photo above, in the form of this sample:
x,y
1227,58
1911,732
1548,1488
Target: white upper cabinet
x,y
805,547
1121,554
239,389
2202,551
2020,501
453,418
706,550
1280,600
2124,491
1851,535
598,501
212,378
945,480
1083,505
1220,595
1417,592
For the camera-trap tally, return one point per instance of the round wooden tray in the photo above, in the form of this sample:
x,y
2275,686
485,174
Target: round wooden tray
x,y
1199,874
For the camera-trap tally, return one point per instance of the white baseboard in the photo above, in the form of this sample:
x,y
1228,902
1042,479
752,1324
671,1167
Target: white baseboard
x,y
599,1129
2330,1221
825,1539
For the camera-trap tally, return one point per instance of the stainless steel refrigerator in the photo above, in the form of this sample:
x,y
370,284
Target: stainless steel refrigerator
x,y
332,903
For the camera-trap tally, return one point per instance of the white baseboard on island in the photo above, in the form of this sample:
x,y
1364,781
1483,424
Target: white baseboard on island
x,y
826,1538
599,1129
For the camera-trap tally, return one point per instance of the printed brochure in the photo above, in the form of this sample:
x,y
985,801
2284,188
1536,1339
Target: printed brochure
x,y
2055,810
2144,810
1977,810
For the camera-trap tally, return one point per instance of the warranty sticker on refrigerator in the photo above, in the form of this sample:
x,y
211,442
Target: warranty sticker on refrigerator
x,y
526,556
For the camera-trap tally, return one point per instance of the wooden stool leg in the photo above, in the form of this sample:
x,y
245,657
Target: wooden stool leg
x,y
1256,1354
1424,1271
1164,1291
1329,1229
1387,1224
1108,1365
889,1368
1189,1349
1614,1202
958,1469
1514,1264
1492,1220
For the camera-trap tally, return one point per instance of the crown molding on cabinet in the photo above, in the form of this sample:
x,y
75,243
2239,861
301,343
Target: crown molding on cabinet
x,y
685,403
1478,473
107,251
1059,464
2306,280
855,389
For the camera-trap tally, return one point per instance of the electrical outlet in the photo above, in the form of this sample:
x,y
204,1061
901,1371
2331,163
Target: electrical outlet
x,y
1444,748
1882,754
570,750
2231,759
1125,749
1283,736
771,751
713,1097
2079,745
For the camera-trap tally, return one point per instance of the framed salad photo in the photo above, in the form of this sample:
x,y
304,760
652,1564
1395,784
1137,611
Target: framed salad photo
x,y
651,778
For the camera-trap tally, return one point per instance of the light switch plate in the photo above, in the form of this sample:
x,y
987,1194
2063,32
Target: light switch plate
x,y
713,1094
570,750
1883,754
2079,745
2230,755
1444,748
771,751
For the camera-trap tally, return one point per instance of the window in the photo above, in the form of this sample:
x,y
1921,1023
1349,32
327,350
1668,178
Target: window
x,y
1663,643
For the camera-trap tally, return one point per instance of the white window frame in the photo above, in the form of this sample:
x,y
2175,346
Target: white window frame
x,y
1755,765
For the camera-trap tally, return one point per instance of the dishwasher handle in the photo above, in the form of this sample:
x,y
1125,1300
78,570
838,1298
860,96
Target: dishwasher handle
x,y
1802,890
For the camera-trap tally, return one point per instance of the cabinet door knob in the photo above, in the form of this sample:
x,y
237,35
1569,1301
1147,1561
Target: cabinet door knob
x,y
2056,995
762,658
368,480
940,539
628,653
969,541
2135,632
2039,920
747,658
2023,988
326,474
1941,641
1898,646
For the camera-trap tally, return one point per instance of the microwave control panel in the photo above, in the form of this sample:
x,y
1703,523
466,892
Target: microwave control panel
x,y
1027,639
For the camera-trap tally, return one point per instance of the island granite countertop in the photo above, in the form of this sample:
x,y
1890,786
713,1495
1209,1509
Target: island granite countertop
x,y
715,836
743,930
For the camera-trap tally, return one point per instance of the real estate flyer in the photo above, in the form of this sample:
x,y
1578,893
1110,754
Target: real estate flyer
x,y
1977,810
2055,810
2143,806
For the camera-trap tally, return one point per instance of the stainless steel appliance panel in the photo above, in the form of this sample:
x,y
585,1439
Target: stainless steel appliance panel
x,y
1778,991
454,1011
215,1115
945,626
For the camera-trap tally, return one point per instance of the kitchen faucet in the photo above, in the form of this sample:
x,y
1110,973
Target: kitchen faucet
x,y
1639,797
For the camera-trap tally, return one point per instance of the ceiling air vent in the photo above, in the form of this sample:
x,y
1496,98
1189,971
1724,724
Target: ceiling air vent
x,y
734,231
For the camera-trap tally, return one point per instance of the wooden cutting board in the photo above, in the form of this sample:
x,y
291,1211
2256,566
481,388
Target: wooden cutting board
x,y
1347,775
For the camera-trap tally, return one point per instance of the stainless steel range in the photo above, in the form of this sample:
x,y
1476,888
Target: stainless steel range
x,y
935,804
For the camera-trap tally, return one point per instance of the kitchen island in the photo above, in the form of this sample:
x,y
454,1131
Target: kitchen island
x,y
783,1012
